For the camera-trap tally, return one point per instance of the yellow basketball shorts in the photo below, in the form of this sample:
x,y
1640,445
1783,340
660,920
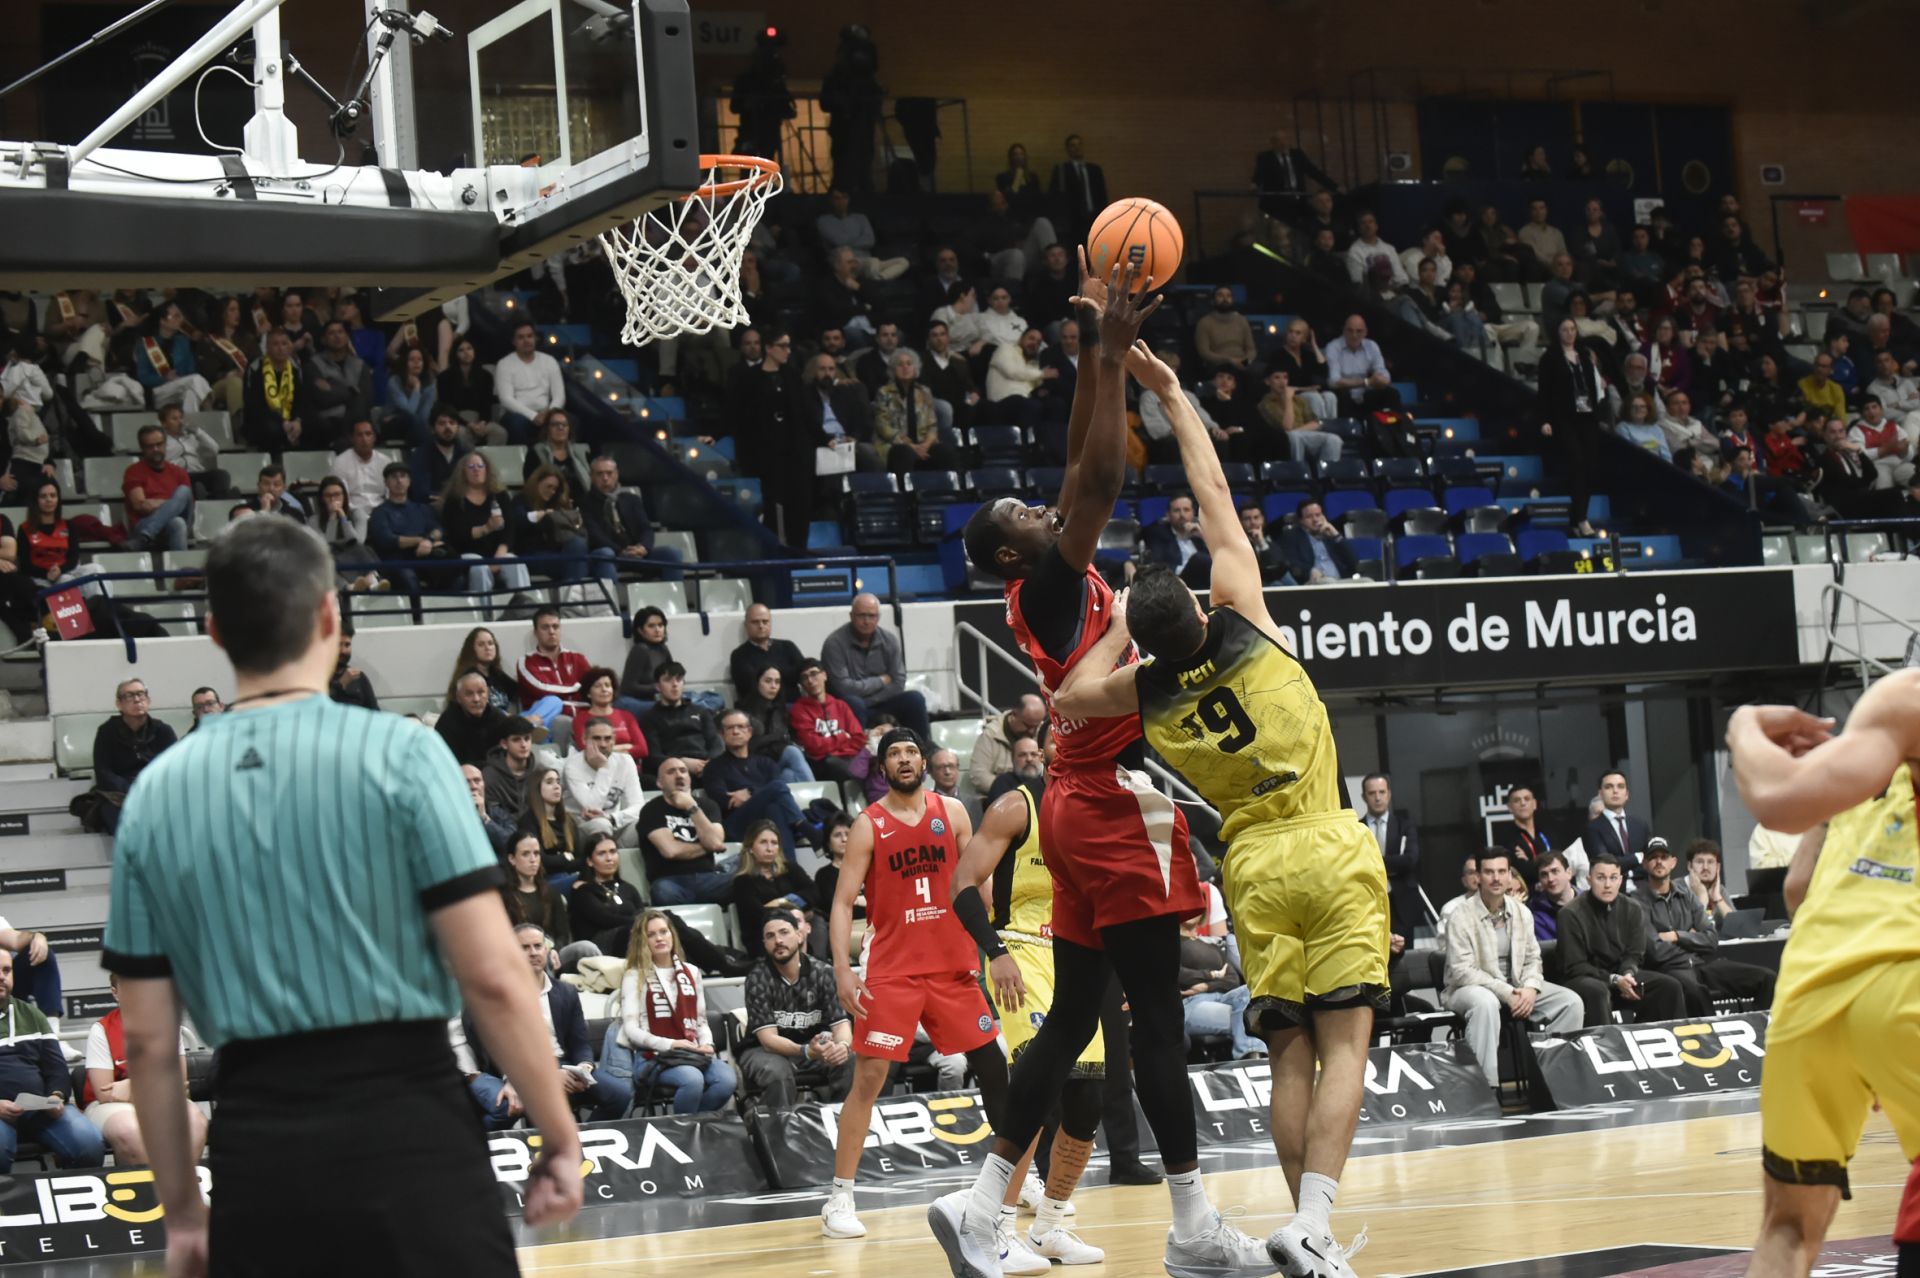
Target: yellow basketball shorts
x,y
1309,903
1831,1053
1035,960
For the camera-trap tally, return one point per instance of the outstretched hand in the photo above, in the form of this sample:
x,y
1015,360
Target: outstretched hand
x,y
1093,289
1151,371
1120,323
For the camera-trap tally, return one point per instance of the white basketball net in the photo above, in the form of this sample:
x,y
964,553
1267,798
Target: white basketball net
x,y
679,265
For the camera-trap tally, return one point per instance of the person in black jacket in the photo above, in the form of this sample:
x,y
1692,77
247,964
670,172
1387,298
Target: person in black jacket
x,y
1571,392
470,724
1399,842
349,685
609,1096
767,883
1603,943
677,728
776,441
1280,177
617,523
273,397
760,651
1079,188
124,745
832,408
1298,547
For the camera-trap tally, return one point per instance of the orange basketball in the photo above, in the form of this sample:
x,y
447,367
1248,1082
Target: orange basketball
x,y
1138,231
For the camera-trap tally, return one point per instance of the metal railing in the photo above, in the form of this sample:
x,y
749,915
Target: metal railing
x,y
1177,788
1833,599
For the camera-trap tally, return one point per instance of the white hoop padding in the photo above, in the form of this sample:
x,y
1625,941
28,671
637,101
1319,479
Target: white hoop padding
x,y
678,266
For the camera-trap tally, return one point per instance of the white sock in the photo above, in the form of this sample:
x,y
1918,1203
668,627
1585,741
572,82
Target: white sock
x,y
1051,1215
1192,1213
1316,1200
843,1184
990,1187
1008,1213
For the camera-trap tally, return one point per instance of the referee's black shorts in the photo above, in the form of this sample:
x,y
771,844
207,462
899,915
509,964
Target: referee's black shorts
x,y
351,1151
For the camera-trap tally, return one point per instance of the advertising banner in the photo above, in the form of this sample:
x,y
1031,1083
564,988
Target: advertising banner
x,y
1612,1063
683,1156
1404,1084
925,1135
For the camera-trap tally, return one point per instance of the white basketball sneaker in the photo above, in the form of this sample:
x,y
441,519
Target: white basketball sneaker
x,y
1065,1246
1033,1192
838,1219
1301,1253
1015,1256
1221,1252
971,1247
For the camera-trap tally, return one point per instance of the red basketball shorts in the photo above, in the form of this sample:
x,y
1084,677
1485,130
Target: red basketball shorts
x,y
1907,1230
949,1004
1117,849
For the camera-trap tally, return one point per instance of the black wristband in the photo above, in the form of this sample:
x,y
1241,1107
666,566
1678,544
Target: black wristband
x,y
1089,327
972,911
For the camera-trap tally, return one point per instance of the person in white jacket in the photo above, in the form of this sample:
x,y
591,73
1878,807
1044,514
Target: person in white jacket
x,y
663,1022
1015,370
527,383
603,785
1493,965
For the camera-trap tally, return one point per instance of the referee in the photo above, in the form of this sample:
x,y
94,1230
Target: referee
x,y
308,881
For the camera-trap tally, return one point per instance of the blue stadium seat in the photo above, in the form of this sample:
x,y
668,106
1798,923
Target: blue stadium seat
x,y
1164,479
1281,505
1000,445
1289,474
1367,551
1348,472
1364,523
1400,472
1352,432
1409,393
1241,476
822,533
1151,509
1426,520
1339,503
1444,447
1474,546
996,481
1401,500
1047,481
868,482
1535,542
1483,519
1455,470
1407,550
933,482
1465,498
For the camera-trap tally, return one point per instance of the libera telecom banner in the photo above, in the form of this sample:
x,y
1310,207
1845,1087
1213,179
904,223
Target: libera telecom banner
x,y
1612,1063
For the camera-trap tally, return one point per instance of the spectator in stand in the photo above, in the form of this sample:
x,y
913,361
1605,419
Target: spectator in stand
x,y
766,707
680,835
1493,967
749,787
1508,257
1819,390
992,752
760,651
875,365
1357,369
1734,431
1174,542
597,686
192,450
767,883
944,779
1734,255
1900,328
542,520
1314,550
1327,262
1541,237
1399,842
531,898
1553,891
124,745
1213,992
839,412
842,228
506,769
937,289
339,386
1684,430
1025,192
1596,252
402,529
866,669
551,669
1223,337
1469,889
1300,359
572,1050
1273,565
829,733
163,361
1015,377
1047,299
1571,393
270,495
966,325
1683,942
467,390
433,462
1640,263
1078,186
1009,243
1899,395
562,850
159,496
469,724
1883,443
52,545
350,685
603,785
1432,247
798,1033
1530,843
1280,177
1161,447
665,1022
362,468
677,727
1321,215
827,881
1848,480
205,703
841,302
107,1091
1705,879
1369,248
527,382
410,396
647,654
906,422
473,512
31,1064
554,446
1667,360
1614,831
1746,482
1602,944
1558,293
949,376
1225,404
481,651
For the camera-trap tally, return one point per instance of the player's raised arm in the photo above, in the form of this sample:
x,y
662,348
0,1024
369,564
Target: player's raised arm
x,y
1102,469
1092,304
853,878
1236,572
1003,824
1095,688
1794,773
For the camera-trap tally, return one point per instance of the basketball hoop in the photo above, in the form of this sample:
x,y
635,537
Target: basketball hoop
x,y
678,266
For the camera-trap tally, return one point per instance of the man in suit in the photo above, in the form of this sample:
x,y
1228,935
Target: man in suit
x,y
1613,832
775,440
1399,846
1174,541
1056,396
1273,565
1314,549
838,410
1280,176
1079,188
572,1052
616,522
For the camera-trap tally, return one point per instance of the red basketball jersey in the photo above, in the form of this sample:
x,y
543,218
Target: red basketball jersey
x,y
1078,743
909,895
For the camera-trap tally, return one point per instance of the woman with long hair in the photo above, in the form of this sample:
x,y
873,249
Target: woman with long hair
x,y
467,390
603,905
345,531
766,709
1668,363
597,688
481,651
766,882
1570,395
664,1021
1639,425
411,396
648,653
50,547
1300,358
1025,192
556,447
827,882
545,522
548,820
473,510
530,897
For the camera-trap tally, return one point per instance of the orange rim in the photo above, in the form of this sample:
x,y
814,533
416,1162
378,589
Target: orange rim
x,y
763,171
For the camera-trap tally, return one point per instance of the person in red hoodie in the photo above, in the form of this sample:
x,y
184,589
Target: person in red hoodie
x,y
551,670
1782,454
824,725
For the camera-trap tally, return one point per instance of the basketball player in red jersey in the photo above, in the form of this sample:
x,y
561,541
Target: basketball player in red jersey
x,y
922,967
1906,1233
1123,875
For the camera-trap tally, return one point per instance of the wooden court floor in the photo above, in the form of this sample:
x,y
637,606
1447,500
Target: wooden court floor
x,y
1693,1182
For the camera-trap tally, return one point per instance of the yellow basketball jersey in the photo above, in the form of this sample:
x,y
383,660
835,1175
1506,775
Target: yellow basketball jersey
x,y
1862,909
1244,725
1029,908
